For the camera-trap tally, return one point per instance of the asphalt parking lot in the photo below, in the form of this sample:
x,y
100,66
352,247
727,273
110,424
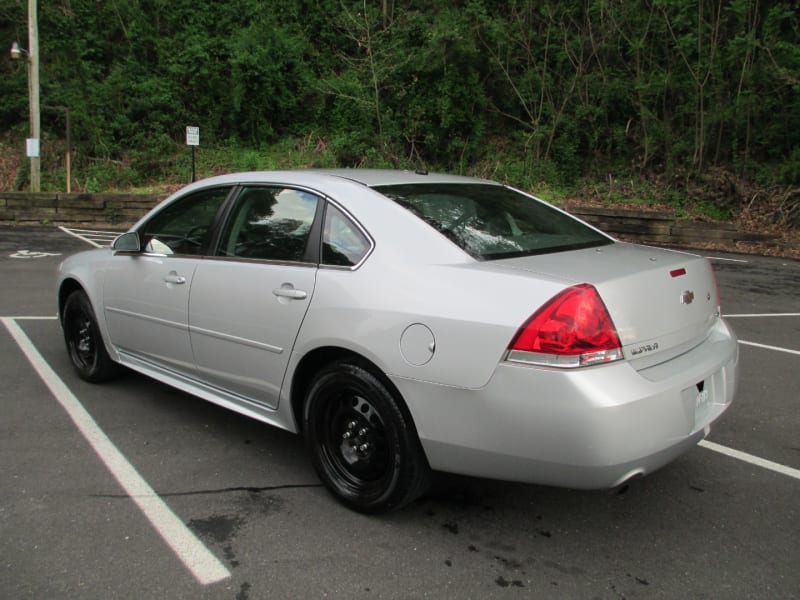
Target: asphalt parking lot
x,y
132,489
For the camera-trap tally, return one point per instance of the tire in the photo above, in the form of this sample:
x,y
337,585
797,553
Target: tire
x,y
84,341
363,444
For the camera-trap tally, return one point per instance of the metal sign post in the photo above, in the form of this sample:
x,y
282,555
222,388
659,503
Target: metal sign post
x,y
192,139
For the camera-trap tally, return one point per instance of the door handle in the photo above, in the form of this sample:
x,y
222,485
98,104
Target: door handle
x,y
174,278
290,293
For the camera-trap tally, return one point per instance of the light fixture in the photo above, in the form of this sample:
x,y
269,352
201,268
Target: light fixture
x,y
16,51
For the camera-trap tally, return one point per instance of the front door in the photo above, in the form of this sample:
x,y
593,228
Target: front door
x,y
146,309
146,294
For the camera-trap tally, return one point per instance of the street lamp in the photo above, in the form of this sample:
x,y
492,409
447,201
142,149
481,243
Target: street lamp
x,y
32,61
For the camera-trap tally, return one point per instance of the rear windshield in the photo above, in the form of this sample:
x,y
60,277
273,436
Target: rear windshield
x,y
491,222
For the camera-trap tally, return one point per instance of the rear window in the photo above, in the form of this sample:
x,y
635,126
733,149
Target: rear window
x,y
491,222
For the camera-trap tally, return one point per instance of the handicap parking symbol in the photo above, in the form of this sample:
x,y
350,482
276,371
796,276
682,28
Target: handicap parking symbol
x,y
29,254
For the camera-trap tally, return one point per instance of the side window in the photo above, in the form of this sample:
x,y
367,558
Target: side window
x,y
269,223
183,226
343,243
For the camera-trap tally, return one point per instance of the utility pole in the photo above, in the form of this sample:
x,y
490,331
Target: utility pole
x,y
33,89
33,143
69,151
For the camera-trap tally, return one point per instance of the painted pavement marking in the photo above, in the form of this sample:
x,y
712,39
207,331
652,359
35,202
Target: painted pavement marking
x,y
97,238
753,460
198,559
761,315
766,347
736,260
34,254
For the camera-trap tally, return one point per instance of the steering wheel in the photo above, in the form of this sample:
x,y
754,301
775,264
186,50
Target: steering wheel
x,y
195,235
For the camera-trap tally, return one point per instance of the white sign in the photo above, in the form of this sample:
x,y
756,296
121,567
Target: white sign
x,y
192,136
32,145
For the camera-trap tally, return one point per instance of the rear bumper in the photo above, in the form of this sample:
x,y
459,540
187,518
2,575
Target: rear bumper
x,y
584,428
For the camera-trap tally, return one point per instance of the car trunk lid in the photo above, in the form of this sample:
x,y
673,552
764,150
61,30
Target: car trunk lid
x,y
662,302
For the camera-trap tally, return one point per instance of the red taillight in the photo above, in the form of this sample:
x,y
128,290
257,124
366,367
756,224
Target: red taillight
x,y
572,329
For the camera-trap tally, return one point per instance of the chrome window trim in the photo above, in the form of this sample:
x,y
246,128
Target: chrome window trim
x,y
165,204
243,185
326,199
266,261
359,226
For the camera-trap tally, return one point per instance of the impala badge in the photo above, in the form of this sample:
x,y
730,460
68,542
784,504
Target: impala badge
x,y
687,297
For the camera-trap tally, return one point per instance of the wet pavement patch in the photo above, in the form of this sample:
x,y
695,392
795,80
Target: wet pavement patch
x,y
503,582
222,530
451,526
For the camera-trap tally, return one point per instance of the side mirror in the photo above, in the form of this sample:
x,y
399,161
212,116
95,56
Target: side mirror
x,y
127,242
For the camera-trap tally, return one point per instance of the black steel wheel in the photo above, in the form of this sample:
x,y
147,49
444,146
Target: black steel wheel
x,y
362,442
84,342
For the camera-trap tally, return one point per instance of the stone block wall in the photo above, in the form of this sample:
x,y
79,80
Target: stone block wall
x,y
120,211
117,211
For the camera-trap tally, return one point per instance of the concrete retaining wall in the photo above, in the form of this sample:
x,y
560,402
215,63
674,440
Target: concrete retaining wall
x,y
120,211
661,227
117,211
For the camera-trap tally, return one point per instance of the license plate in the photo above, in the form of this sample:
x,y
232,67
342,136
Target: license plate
x,y
702,406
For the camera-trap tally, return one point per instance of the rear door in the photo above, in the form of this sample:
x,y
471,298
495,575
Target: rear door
x,y
247,303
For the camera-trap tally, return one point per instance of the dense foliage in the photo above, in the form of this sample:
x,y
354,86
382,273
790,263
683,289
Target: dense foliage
x,y
521,89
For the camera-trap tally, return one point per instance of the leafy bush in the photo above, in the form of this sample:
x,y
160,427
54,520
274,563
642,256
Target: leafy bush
x,y
562,90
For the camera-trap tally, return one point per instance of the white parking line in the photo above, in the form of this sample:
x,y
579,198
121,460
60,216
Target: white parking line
x,y
757,315
205,567
753,460
96,238
766,347
736,260
21,318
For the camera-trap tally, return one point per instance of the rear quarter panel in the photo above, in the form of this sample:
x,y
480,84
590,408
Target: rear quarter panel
x,y
416,275
472,311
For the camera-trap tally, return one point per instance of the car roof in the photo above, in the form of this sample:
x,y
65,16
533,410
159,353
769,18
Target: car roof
x,y
378,177
367,177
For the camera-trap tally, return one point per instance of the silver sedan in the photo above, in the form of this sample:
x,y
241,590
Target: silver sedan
x,y
408,322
